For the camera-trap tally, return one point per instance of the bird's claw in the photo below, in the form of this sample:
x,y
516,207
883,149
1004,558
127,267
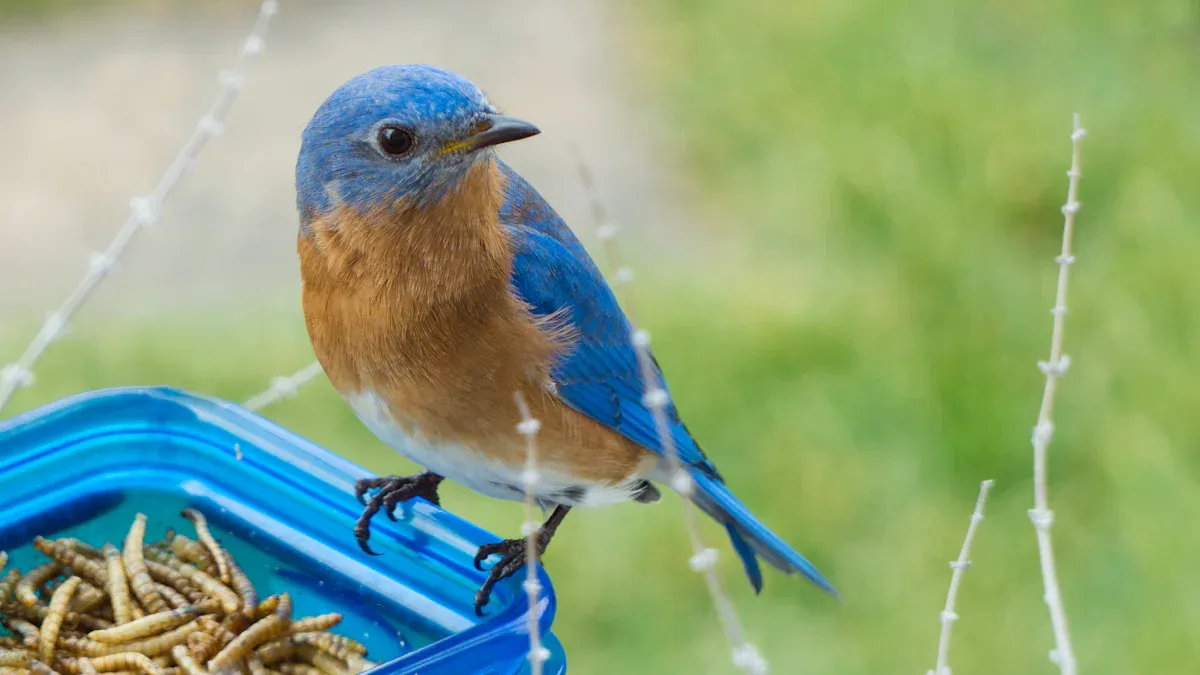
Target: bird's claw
x,y
393,490
513,557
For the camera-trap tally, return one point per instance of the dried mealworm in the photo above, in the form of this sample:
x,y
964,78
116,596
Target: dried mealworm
x,y
14,658
150,625
210,543
86,667
172,596
36,578
90,570
165,574
28,632
190,550
48,638
135,566
262,631
118,586
315,623
186,662
230,602
126,661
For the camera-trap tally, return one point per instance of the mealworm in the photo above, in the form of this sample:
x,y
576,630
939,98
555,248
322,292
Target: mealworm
x,y
324,662
90,570
37,577
190,550
86,667
255,665
206,537
87,598
229,600
172,596
135,565
7,583
299,669
126,661
275,651
244,588
159,644
150,625
28,632
39,668
186,662
164,574
82,547
319,622
58,611
266,607
118,586
14,658
261,631
339,646
39,612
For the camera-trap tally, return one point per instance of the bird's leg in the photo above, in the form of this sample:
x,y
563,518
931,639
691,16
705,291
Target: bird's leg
x,y
513,554
392,491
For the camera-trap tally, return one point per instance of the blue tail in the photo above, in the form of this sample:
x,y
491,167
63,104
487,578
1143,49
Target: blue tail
x,y
750,537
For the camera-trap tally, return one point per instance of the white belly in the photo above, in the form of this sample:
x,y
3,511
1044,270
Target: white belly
x,y
465,465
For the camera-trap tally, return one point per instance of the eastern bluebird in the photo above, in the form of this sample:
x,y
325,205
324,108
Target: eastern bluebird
x,y
437,283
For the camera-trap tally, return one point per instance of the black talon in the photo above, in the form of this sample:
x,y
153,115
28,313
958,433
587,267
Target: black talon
x,y
392,491
513,557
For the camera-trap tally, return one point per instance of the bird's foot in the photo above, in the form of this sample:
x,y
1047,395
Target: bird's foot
x,y
393,490
514,554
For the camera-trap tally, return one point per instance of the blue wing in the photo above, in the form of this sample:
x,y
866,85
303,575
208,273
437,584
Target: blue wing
x,y
600,376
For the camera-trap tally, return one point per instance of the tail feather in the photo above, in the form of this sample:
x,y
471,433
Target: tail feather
x,y
750,537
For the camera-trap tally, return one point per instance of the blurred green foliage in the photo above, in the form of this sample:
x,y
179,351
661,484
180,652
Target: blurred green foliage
x,y
891,175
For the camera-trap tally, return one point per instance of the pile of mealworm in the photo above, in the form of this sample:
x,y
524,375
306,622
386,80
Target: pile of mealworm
x,y
179,606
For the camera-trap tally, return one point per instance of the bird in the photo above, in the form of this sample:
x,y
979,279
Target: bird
x,y
438,284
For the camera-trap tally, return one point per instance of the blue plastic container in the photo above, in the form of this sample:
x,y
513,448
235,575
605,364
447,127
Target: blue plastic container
x,y
85,465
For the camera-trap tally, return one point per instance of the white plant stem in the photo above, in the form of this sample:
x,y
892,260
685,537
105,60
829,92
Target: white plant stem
x,y
1054,368
531,529
959,567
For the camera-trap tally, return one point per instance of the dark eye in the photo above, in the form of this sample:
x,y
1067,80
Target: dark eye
x,y
395,141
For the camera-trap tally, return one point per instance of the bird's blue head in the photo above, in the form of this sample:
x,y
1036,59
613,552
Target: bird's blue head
x,y
408,131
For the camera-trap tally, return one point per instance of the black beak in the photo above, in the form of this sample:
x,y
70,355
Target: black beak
x,y
494,130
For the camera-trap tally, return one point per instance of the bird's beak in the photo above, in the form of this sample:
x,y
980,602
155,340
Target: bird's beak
x,y
492,130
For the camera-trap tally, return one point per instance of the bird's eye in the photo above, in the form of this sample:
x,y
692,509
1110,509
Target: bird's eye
x,y
395,141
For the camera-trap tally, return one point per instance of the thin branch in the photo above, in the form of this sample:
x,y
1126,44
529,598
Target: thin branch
x,y
284,387
948,616
746,656
1041,515
531,528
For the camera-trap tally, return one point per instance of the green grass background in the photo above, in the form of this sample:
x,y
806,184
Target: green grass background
x,y
888,177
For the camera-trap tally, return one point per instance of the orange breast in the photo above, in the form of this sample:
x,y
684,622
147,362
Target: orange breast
x,y
414,305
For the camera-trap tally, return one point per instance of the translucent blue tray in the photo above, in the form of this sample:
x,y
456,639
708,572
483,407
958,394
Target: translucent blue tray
x,y
85,465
